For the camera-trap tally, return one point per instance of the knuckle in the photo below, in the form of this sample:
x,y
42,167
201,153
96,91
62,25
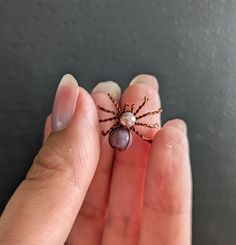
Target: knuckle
x,y
89,211
51,160
123,225
169,204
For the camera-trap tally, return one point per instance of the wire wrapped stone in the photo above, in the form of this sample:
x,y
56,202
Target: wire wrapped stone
x,y
120,138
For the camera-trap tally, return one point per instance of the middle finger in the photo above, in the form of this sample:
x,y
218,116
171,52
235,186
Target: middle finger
x,y
126,193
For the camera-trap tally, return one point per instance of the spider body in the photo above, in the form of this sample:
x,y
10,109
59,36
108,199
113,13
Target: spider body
x,y
120,136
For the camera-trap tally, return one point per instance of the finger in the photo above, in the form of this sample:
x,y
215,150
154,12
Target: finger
x,y
47,128
45,205
166,217
89,224
129,169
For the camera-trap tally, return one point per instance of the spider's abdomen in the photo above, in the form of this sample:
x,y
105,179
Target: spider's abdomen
x,y
120,138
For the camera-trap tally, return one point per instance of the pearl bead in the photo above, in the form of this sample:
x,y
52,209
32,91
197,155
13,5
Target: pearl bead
x,y
120,138
127,119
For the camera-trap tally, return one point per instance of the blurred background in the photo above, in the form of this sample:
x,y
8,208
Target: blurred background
x,y
190,45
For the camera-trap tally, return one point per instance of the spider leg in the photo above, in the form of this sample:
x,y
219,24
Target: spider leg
x,y
124,108
156,125
108,119
132,108
140,135
104,133
139,108
149,113
106,110
114,102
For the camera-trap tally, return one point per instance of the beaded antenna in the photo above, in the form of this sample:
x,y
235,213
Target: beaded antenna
x,y
126,118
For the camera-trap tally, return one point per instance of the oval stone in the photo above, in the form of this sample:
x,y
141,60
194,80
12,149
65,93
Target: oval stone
x,y
120,138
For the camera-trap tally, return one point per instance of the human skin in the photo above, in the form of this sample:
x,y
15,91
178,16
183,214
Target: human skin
x,y
79,190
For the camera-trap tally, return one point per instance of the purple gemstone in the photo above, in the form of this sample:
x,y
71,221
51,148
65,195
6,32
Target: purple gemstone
x,y
120,138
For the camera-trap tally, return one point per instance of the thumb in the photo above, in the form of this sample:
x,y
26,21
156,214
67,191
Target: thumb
x,y
44,206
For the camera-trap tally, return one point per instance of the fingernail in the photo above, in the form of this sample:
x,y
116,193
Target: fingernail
x,y
64,103
145,79
177,123
108,87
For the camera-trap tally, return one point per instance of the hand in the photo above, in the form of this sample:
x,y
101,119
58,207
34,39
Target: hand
x,y
80,191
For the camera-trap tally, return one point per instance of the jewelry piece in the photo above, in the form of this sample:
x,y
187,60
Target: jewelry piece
x,y
119,134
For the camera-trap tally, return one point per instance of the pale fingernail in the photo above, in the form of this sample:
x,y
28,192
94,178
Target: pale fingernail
x,y
177,123
64,103
145,79
108,87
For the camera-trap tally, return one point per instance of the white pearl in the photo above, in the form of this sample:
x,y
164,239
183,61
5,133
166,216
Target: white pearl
x,y
127,119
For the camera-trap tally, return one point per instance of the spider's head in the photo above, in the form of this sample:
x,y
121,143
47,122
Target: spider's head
x,y
127,119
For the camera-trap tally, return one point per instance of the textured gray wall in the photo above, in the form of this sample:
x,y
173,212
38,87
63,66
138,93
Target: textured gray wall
x,y
189,45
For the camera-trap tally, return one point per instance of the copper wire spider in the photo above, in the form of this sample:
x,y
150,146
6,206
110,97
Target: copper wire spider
x,y
127,108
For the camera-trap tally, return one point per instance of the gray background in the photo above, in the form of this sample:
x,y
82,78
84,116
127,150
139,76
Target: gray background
x,y
189,45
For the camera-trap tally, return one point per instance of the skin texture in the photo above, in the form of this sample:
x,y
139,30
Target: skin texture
x,y
80,191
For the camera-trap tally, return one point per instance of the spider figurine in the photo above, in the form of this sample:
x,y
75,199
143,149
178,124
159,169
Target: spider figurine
x,y
119,134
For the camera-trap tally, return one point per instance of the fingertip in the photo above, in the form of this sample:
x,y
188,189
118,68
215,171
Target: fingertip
x,y
64,103
173,136
108,87
147,79
171,139
177,123
69,79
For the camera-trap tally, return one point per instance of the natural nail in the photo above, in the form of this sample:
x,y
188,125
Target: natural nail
x,y
64,103
177,123
145,79
108,87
